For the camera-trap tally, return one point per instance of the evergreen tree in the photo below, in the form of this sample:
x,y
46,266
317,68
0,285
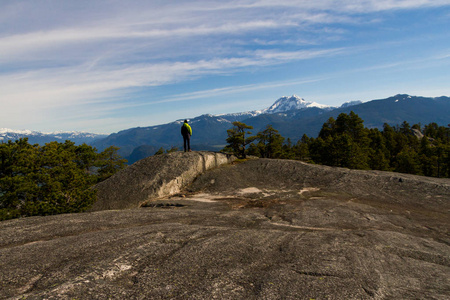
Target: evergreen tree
x,y
427,158
446,161
377,151
172,149
345,142
270,143
328,128
160,151
110,162
301,149
254,150
320,152
237,139
405,128
389,141
54,178
86,157
288,150
17,171
407,161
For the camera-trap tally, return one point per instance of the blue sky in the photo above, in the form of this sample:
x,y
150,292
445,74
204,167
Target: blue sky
x,y
103,66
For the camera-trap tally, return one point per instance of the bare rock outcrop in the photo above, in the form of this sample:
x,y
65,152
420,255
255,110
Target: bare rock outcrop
x,y
155,177
260,229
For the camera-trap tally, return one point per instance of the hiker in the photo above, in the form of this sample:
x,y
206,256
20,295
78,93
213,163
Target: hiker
x,y
186,132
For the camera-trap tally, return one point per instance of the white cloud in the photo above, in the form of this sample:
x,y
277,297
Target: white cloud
x,y
211,93
78,54
29,42
349,6
296,55
68,85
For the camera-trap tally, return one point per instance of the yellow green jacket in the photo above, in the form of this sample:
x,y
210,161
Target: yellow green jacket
x,y
186,129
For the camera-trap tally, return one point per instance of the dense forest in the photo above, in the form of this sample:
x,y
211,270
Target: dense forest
x,y
345,142
51,179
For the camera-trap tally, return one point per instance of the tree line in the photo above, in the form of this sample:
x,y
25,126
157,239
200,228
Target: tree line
x,y
51,179
346,142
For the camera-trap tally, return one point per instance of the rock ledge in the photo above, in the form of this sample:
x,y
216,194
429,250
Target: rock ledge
x,y
155,177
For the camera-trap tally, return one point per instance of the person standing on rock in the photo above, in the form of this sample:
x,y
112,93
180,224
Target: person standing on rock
x,y
186,132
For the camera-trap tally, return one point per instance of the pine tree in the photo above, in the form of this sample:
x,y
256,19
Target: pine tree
x,y
110,162
253,150
346,140
328,128
86,156
160,151
172,149
237,139
407,161
288,150
270,142
377,151
320,151
54,178
301,149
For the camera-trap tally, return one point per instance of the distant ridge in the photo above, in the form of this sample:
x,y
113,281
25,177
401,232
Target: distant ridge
x,y
36,137
351,103
292,116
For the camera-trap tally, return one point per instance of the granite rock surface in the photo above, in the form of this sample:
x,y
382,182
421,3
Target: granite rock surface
x,y
260,229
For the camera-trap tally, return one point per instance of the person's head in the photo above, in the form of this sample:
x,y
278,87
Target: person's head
x,y
185,121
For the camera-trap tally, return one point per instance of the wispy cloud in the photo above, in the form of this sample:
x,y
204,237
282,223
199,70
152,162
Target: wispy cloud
x,y
349,6
57,55
83,83
211,93
35,41
237,89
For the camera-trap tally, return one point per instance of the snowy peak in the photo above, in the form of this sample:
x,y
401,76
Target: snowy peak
x,y
78,137
351,103
282,105
290,103
6,131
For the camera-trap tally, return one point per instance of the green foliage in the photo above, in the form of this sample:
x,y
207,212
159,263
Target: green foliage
x,y
55,178
109,163
237,139
342,142
378,152
302,149
287,151
172,149
162,151
270,143
345,142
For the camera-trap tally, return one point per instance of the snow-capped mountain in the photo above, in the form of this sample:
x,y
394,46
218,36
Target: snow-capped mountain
x,y
290,103
282,105
351,103
291,116
37,137
232,117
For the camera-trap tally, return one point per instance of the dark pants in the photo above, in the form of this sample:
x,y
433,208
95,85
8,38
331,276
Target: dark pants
x,y
187,140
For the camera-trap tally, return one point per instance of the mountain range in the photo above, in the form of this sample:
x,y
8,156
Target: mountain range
x,y
291,116
36,137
